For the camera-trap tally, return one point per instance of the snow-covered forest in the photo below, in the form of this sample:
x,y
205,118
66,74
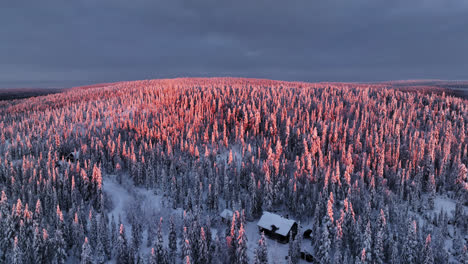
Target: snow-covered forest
x,y
139,172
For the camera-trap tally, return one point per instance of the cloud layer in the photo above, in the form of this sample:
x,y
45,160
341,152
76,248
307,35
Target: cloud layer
x,y
65,43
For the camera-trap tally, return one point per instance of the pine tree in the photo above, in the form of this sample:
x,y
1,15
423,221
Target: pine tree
x,y
38,246
103,235
151,234
86,254
60,248
172,241
204,253
77,234
379,247
268,190
463,258
411,243
438,242
261,253
153,259
338,256
93,230
367,243
220,255
431,189
17,256
186,251
121,247
395,257
294,250
241,250
101,256
137,236
459,217
323,253
427,252
160,251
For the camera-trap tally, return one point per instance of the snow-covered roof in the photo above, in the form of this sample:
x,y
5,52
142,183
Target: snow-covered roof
x,y
76,154
283,224
226,214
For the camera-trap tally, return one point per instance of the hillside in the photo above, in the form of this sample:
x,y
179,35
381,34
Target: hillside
x,y
140,171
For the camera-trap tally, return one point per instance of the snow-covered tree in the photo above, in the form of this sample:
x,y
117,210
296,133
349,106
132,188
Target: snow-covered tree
x,y
261,253
122,253
86,253
172,241
241,249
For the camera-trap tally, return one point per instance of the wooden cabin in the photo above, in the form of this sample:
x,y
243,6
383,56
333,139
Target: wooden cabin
x,y
277,227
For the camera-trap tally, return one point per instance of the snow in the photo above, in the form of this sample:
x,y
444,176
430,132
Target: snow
x,y
268,220
448,205
119,196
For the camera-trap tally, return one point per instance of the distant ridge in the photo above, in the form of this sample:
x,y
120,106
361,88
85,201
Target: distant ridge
x,y
457,88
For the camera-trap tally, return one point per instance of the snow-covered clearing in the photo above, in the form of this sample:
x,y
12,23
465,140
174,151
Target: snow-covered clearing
x,y
124,196
447,204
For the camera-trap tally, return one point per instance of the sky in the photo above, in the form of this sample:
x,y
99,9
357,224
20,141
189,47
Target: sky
x,y
57,43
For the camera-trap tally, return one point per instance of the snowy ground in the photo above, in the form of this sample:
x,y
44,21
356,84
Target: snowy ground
x,y
447,204
125,194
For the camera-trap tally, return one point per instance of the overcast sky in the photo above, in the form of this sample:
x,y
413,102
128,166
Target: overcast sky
x,y
59,43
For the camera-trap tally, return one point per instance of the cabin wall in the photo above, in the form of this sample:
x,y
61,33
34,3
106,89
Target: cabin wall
x,y
275,236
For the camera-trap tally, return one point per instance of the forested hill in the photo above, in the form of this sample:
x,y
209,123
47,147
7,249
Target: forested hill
x,y
379,175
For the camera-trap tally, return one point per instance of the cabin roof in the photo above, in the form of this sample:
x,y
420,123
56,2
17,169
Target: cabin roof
x,y
270,219
226,214
75,154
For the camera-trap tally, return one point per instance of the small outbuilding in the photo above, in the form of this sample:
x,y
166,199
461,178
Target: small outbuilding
x,y
73,156
226,215
277,227
307,234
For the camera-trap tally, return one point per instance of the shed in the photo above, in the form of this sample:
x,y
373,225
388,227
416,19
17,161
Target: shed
x,y
307,234
277,227
73,156
226,215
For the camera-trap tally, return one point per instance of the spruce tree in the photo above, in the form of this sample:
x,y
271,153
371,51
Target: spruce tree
x,y
153,259
60,248
186,251
122,253
324,242
38,246
204,253
103,235
428,256
137,236
411,243
172,241
294,251
100,252
395,257
159,245
86,254
220,255
261,253
241,250
17,256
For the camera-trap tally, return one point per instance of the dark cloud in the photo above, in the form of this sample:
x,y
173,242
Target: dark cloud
x,y
64,43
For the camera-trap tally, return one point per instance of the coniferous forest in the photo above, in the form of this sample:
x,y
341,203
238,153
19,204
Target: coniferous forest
x,y
139,172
